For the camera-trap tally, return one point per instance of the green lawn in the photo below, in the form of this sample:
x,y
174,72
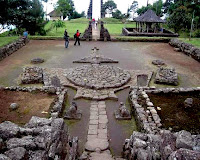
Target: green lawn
x,y
71,26
193,41
6,40
116,29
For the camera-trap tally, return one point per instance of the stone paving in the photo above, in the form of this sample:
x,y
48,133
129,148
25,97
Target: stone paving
x,y
97,139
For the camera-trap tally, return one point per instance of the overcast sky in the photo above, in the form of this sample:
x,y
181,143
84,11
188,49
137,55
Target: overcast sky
x,y
82,5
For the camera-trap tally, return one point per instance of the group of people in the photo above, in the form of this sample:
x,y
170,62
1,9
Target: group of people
x,y
76,36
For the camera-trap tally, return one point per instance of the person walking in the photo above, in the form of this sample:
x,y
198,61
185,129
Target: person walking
x,y
77,37
66,37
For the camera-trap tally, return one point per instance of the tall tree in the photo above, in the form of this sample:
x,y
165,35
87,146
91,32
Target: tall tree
x,y
66,7
109,6
133,7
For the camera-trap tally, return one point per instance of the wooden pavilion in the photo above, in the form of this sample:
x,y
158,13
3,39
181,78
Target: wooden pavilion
x,y
149,22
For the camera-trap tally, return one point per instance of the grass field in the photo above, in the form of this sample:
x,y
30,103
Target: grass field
x,y
193,41
77,24
115,26
6,40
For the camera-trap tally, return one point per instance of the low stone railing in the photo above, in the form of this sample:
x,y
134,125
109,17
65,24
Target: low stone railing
x,y
186,48
11,48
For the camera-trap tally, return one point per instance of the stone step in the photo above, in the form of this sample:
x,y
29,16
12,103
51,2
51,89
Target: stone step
x,y
96,143
101,156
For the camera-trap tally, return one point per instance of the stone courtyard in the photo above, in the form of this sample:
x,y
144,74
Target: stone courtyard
x,y
95,91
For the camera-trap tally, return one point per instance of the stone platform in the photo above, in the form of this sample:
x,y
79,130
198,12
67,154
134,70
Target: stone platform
x,y
92,94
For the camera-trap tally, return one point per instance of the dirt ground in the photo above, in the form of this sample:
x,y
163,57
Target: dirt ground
x,y
131,55
30,104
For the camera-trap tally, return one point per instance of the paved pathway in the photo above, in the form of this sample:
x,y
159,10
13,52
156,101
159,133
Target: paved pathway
x,y
95,33
97,139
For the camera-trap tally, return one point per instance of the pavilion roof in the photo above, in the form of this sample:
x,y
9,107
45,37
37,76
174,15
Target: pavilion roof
x,y
54,13
149,16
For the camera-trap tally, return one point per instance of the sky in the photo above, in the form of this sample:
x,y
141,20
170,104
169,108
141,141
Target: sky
x,y
82,5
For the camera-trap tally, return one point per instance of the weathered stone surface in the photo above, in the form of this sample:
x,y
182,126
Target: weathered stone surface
x,y
18,153
166,76
26,142
8,130
36,155
98,76
188,103
101,156
37,60
158,62
184,140
36,121
4,157
32,75
185,154
14,106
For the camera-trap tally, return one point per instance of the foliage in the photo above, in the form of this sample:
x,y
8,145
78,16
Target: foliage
x,y
66,7
26,14
156,7
76,15
117,14
58,24
181,13
109,6
133,7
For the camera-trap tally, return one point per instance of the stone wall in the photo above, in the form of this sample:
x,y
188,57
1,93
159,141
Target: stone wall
x,y
88,33
104,34
11,48
39,139
153,142
186,48
164,145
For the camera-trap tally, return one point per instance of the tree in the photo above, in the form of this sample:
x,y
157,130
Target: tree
x,y
26,14
133,7
66,7
117,14
109,6
58,24
156,7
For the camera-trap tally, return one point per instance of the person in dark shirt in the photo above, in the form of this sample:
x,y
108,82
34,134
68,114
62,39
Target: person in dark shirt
x,y
66,37
77,37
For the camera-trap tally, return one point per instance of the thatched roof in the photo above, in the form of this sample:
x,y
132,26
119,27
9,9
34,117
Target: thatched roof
x,y
149,16
54,13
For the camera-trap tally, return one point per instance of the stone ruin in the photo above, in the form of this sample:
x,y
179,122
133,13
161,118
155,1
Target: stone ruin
x,y
122,113
37,60
39,139
104,34
32,75
13,47
164,145
186,48
95,58
73,112
88,33
166,76
158,62
98,76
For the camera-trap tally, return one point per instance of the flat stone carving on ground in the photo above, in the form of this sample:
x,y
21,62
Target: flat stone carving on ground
x,y
14,106
95,58
158,62
32,75
166,76
37,60
73,112
122,113
98,76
